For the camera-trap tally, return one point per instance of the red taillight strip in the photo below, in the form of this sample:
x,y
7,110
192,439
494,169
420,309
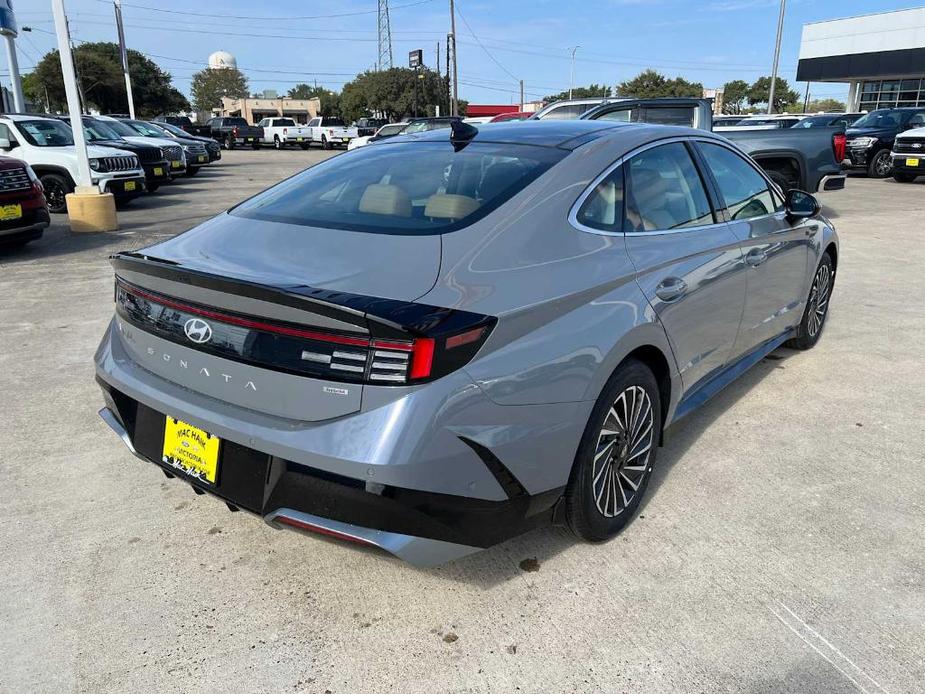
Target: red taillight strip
x,y
422,358
311,527
248,323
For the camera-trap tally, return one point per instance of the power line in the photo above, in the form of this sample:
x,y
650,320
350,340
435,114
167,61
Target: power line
x,y
264,17
482,46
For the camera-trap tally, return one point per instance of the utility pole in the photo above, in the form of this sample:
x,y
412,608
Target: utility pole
x,y
9,33
521,96
122,52
780,32
806,98
439,81
571,75
454,104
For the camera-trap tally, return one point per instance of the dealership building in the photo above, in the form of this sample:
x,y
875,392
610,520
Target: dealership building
x,y
880,56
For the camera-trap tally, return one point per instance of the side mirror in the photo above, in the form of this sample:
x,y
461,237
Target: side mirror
x,y
801,205
5,143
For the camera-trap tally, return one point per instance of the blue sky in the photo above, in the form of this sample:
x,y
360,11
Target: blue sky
x,y
278,44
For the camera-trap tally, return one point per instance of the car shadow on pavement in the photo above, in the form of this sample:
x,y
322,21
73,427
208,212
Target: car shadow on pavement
x,y
507,560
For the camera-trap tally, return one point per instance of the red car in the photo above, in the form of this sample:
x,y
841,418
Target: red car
x,y
517,115
23,210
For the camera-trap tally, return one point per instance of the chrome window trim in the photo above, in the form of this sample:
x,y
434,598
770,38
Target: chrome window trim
x,y
576,206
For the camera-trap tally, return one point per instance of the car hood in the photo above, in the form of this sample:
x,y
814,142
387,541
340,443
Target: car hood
x,y
106,151
156,141
277,254
869,132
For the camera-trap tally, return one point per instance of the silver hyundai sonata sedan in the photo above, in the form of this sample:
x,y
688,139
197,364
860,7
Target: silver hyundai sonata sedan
x,y
439,341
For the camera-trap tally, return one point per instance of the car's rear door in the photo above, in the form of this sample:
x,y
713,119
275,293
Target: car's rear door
x,y
777,252
688,262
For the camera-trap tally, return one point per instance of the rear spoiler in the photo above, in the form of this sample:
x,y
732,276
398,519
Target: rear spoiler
x,y
380,317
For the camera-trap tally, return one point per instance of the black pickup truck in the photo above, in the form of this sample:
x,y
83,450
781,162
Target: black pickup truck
x,y
184,123
805,158
234,131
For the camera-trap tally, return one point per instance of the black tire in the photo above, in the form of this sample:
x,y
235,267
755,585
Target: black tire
x,y
593,484
192,170
228,142
152,187
324,143
881,164
304,145
56,188
277,144
122,203
902,177
817,306
256,145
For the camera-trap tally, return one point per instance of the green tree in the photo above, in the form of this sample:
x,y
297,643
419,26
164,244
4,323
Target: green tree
x,y
785,98
650,84
330,101
825,106
99,69
395,93
588,92
211,84
735,96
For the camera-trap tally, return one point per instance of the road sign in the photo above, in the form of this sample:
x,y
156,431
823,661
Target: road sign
x,y
415,58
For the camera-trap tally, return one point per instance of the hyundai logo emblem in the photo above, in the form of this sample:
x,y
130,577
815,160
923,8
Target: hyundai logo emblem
x,y
197,330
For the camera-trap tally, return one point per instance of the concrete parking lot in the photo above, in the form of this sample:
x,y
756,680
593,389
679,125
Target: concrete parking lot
x,y
781,547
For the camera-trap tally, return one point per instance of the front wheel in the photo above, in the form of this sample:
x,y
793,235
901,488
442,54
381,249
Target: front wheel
x,y
152,187
901,177
881,165
616,454
56,188
192,170
817,306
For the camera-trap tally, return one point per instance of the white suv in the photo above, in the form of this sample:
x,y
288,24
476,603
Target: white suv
x,y
47,145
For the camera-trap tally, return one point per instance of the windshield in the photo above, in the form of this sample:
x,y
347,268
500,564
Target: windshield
x,y
173,129
377,189
121,128
882,118
97,130
143,128
46,133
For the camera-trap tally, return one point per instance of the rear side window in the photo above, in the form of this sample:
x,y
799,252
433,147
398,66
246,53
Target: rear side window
x,y
566,112
744,191
664,191
415,188
603,208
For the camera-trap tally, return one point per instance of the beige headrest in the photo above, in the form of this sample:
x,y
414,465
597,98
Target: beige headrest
x,y
450,206
380,198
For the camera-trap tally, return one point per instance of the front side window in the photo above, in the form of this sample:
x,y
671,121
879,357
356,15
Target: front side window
x,y
566,112
378,190
744,191
603,208
664,191
622,115
46,133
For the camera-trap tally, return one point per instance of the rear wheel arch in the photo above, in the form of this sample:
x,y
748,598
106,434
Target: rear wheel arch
x,y
832,251
658,364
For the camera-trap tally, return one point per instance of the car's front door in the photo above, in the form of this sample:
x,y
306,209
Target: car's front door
x,y
777,252
688,262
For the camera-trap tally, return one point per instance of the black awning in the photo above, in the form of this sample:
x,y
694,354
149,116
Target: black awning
x,y
909,62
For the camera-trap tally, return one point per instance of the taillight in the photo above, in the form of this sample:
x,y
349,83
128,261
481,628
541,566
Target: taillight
x,y
839,142
234,131
330,132
414,344
285,131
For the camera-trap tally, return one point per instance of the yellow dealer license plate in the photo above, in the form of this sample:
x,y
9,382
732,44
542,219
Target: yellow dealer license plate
x,y
130,185
299,139
191,450
174,165
158,171
912,162
10,212
203,157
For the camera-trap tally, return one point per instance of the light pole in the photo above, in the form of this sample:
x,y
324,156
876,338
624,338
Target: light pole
x,y
780,32
9,31
124,54
571,74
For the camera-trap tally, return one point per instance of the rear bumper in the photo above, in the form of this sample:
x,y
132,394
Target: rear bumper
x,y
441,464
30,226
832,182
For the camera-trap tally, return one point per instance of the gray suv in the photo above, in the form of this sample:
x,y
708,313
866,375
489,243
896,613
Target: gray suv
x,y
442,340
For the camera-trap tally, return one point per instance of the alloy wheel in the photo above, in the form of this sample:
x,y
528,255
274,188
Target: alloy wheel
x,y
884,164
624,449
55,195
819,300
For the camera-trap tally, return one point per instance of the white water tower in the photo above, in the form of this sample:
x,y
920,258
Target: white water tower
x,y
222,59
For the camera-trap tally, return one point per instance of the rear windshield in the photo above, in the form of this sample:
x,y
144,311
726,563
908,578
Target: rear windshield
x,y
46,133
414,188
334,122
284,121
234,121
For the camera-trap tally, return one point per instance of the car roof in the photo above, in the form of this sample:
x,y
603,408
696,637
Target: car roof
x,y
565,134
26,116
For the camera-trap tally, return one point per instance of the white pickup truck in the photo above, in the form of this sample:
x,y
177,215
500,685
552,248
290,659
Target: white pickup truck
x,y
331,132
281,132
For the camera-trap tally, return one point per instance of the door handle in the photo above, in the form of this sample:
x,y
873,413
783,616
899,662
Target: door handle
x,y
755,257
671,288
